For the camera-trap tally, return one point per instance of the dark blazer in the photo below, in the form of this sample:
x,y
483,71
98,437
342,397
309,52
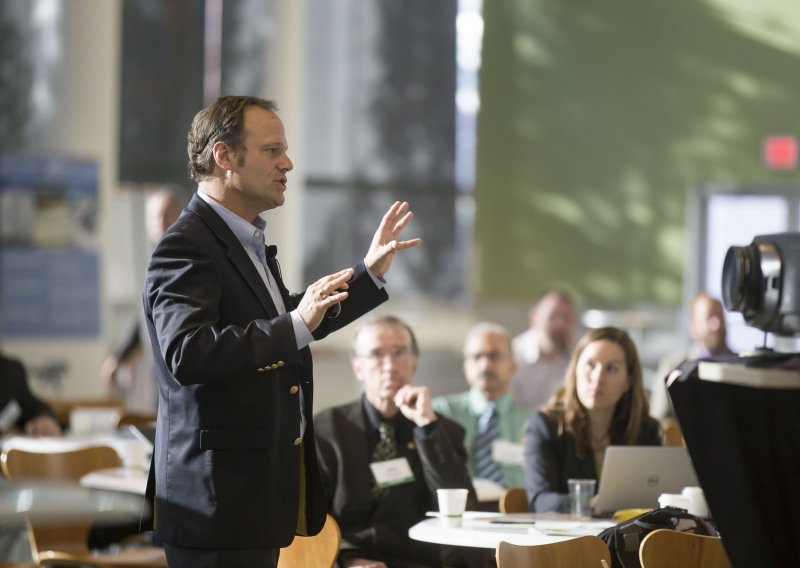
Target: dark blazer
x,y
551,459
378,528
227,457
14,386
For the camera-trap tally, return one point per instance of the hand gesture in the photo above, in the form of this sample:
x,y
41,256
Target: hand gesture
x,y
415,404
384,243
42,425
321,295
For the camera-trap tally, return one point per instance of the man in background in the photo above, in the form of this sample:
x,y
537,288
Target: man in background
x,y
709,339
493,421
130,370
543,350
391,424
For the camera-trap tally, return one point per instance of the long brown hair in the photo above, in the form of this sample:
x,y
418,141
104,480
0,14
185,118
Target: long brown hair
x,y
631,410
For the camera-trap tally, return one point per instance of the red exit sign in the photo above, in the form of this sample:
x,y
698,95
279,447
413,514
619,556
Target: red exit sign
x,y
780,152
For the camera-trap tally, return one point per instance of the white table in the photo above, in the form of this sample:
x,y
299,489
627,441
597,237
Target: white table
x,y
132,452
485,530
125,479
48,501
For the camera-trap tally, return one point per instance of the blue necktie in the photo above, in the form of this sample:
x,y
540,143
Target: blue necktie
x,y
488,432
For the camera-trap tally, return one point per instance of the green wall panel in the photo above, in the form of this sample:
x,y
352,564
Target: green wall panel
x,y
597,116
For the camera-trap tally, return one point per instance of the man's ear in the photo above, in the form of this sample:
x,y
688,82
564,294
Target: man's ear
x,y
223,156
355,364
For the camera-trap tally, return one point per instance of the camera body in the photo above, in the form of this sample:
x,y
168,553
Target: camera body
x,y
762,281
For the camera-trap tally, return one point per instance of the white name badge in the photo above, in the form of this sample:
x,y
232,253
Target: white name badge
x,y
508,453
392,472
9,415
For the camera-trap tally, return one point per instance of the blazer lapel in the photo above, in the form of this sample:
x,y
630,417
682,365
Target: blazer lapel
x,y
235,252
275,269
354,413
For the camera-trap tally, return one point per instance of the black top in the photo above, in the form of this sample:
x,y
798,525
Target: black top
x,y
744,442
551,459
377,528
14,387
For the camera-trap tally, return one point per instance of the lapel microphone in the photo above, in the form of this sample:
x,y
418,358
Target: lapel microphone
x,y
271,252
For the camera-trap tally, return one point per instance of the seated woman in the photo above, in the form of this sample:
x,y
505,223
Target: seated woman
x,y
601,403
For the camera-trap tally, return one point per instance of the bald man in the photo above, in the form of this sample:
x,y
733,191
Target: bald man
x,y
709,339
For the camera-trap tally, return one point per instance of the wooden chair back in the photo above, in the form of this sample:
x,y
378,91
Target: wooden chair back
x,y
671,434
66,541
318,551
580,552
514,500
71,465
665,548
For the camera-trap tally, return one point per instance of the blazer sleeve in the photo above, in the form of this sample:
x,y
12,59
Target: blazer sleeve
x,y
183,299
16,383
444,458
362,295
545,478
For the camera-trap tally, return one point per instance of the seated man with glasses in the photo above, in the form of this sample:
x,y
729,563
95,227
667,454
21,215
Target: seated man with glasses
x,y
384,455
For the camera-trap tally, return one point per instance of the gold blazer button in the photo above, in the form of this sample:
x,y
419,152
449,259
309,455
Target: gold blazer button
x,y
294,389
298,441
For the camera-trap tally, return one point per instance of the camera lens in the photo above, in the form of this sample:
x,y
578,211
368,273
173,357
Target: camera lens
x,y
751,283
741,279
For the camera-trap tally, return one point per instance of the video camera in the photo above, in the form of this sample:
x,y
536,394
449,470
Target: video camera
x,y
762,281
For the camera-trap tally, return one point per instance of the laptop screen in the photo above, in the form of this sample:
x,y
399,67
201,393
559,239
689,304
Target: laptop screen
x,y
635,476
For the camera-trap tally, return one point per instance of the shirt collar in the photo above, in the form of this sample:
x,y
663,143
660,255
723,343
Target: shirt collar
x,y
374,417
478,402
250,235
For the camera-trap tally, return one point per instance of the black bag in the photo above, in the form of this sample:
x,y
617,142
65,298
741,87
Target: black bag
x,y
623,539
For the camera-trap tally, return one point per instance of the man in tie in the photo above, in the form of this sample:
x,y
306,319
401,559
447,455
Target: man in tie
x,y
384,455
493,421
235,472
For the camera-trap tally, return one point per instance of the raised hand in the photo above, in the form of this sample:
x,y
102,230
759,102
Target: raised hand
x,y
415,404
384,243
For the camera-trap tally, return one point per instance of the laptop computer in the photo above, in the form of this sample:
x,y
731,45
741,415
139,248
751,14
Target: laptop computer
x,y
634,476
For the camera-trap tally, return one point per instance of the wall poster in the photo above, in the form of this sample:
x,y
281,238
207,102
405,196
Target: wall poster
x,y
49,249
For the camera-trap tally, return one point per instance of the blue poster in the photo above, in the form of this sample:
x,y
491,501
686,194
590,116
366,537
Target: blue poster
x,y
49,267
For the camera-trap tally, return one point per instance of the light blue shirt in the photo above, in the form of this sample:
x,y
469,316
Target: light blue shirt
x,y
251,236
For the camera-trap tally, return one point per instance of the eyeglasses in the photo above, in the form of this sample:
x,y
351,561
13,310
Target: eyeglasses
x,y
491,356
399,354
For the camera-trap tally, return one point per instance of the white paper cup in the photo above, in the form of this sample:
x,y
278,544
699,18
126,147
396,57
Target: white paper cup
x,y
135,455
581,492
452,503
673,500
697,501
